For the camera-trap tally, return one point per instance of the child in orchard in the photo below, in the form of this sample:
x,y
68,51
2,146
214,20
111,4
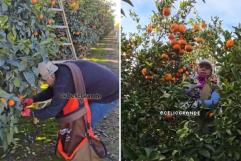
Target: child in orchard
x,y
204,92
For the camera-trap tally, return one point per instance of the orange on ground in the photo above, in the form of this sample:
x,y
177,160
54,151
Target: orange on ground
x,y
229,43
182,28
166,11
11,103
188,48
174,27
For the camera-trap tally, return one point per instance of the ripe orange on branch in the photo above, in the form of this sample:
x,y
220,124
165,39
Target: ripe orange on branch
x,y
176,47
166,11
196,27
11,103
204,25
50,21
144,71
182,28
34,2
174,27
168,77
149,28
171,37
229,43
188,48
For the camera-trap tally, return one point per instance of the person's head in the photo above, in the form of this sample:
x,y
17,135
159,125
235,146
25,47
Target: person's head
x,y
46,71
204,69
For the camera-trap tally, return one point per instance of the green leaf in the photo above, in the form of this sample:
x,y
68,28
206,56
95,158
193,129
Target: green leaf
x,y
228,132
3,21
4,94
16,82
29,76
204,153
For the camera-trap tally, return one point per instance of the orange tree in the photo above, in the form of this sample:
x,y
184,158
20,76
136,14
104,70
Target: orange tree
x,y
156,65
25,40
89,21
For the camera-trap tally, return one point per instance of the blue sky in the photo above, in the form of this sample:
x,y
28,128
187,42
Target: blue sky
x,y
228,11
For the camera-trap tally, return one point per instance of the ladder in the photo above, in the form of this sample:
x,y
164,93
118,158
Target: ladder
x,y
65,26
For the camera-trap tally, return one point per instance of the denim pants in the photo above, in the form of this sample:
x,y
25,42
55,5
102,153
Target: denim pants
x,y
100,110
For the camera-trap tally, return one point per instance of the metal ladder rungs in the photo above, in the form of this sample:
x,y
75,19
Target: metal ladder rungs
x,y
66,44
56,9
59,27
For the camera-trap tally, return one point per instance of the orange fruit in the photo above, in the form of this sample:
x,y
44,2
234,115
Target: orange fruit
x,y
149,77
3,100
77,33
34,2
176,47
182,42
182,28
11,103
188,48
181,52
210,114
204,25
180,70
149,28
168,77
166,11
171,37
229,43
35,33
164,56
174,27
173,42
50,21
196,27
178,75
199,40
74,5
144,71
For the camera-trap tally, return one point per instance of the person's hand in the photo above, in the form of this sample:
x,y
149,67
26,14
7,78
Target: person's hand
x,y
214,79
26,112
27,102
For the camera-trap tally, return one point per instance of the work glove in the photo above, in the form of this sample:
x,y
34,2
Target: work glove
x,y
26,112
27,102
